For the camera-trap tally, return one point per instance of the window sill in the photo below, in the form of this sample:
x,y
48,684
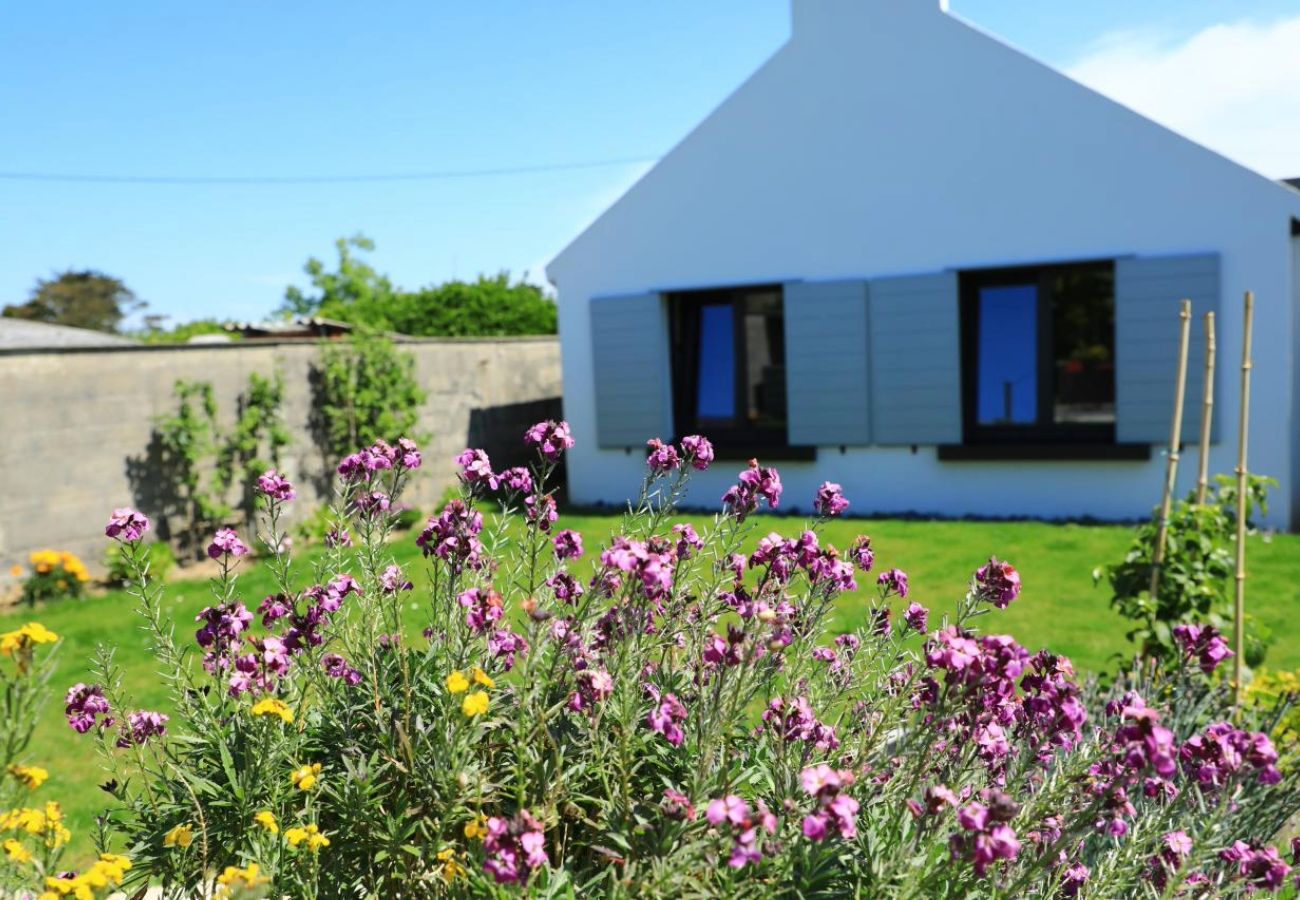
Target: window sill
x,y
773,453
1044,452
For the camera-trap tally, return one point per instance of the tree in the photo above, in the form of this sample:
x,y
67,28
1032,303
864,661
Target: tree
x,y
85,299
358,294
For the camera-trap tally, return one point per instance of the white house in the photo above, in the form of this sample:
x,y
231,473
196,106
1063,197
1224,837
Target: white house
x,y
908,258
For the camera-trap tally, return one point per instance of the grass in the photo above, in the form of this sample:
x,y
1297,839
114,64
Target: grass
x,y
1060,608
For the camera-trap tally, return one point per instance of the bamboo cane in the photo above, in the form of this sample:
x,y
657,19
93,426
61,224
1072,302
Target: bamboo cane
x,y
1207,411
1239,603
1175,438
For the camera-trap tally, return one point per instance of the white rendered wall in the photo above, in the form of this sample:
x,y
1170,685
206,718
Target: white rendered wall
x,y
887,137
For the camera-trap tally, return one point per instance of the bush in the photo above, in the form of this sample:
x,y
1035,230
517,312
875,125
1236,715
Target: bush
x,y
673,717
366,391
55,574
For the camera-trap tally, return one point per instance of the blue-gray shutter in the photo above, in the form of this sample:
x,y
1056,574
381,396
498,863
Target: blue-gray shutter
x,y
827,368
630,370
1148,291
915,360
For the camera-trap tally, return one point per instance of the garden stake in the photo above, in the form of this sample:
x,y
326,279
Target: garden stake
x,y
1175,436
1207,411
1239,605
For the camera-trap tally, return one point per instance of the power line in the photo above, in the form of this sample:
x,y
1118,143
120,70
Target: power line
x,y
444,175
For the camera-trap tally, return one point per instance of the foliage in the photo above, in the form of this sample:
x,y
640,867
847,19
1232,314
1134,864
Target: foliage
x,y
1196,577
33,835
1277,693
82,299
357,293
202,465
256,442
182,332
55,574
366,391
682,722
161,562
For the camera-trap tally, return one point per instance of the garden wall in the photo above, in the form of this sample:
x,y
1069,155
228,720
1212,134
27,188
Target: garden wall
x,y
76,424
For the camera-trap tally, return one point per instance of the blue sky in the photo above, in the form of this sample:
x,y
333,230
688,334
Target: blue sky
x,y
249,88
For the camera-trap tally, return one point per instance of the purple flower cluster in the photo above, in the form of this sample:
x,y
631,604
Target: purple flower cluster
x,y
84,706
568,544
893,582
1261,868
1176,847
746,826
567,589
698,451
917,618
1204,644
550,438
275,487
862,554
662,457
997,582
142,726
391,580
220,633
504,644
515,847
127,524
365,464
476,469
666,716
540,511
1141,746
593,686
741,499
482,608
985,836
371,504
837,812
336,666
830,500
453,536
651,564
226,543
797,722
1213,758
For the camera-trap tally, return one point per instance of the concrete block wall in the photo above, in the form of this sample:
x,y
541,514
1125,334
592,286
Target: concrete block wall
x,y
72,421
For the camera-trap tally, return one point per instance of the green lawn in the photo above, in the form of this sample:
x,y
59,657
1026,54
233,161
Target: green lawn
x,y
1059,608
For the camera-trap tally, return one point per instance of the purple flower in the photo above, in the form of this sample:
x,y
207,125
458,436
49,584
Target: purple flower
x,y
550,438
514,847
408,454
837,812
567,588
275,486
568,544
666,717
688,541
127,524
997,582
83,705
541,511
663,457
741,499
917,618
677,806
518,479
1075,877
893,582
476,468
1204,643
483,608
862,554
226,542
371,504
142,726
746,826
830,500
698,451
593,686
336,666
362,465
797,722
504,644
391,580
338,537
453,536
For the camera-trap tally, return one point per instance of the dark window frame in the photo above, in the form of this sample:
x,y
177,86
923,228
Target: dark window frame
x,y
1043,431
735,439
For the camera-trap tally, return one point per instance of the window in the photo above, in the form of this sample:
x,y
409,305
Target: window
x,y
729,367
1038,347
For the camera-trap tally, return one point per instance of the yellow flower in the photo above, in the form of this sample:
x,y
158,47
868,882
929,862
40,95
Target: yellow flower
x,y
311,835
17,852
180,836
476,829
457,683
12,642
483,678
475,704
305,777
451,868
46,823
266,819
31,776
273,707
108,869
234,877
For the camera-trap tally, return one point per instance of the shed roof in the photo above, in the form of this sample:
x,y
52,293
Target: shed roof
x,y
26,334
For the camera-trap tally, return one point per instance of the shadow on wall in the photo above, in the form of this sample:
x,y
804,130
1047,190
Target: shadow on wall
x,y
499,430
